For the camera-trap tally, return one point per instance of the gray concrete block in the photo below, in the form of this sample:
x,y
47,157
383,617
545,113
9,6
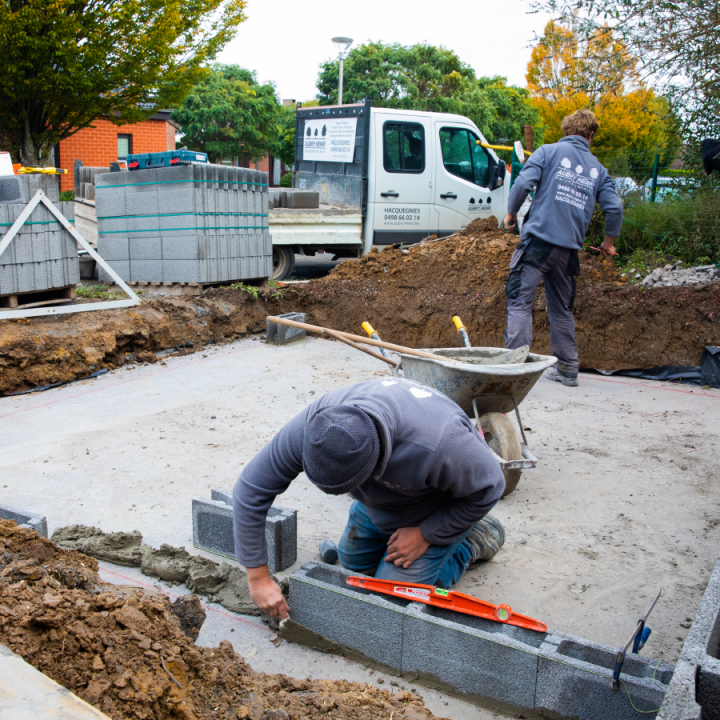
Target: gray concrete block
x,y
25,518
366,622
147,270
174,222
12,190
23,248
183,247
67,209
72,270
145,248
57,273
174,175
41,247
41,272
142,204
694,691
49,184
300,199
121,267
179,198
282,334
574,676
181,271
471,654
109,179
8,279
110,203
26,277
108,226
141,181
213,530
143,226
114,247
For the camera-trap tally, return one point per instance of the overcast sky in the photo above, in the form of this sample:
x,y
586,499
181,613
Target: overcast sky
x,y
286,40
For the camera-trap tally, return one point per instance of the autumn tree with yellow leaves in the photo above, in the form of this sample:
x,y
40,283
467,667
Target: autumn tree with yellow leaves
x,y
567,73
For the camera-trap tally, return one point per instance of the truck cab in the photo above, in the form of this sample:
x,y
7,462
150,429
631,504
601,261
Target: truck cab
x,y
385,177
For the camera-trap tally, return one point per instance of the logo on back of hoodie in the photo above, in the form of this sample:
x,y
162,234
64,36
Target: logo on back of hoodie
x,y
573,187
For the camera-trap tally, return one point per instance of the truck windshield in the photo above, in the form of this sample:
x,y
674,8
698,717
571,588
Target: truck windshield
x,y
462,156
403,147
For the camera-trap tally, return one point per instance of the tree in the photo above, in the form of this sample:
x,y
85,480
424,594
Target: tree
x,y
677,43
567,73
229,113
425,77
284,146
67,62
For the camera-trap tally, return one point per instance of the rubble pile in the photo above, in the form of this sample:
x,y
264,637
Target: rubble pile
x,y
676,276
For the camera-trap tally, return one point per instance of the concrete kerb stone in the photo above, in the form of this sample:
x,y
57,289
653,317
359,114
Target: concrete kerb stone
x,y
25,519
213,530
282,334
553,674
366,622
474,656
574,676
694,691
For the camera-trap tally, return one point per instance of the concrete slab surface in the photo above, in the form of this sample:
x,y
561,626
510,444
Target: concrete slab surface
x,y
623,501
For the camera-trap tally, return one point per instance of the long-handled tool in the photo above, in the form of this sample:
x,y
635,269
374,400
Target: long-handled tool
x,y
360,339
368,328
462,330
41,171
448,599
637,640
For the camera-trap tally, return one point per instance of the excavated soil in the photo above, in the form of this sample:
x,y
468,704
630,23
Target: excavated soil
x,y
409,298
109,645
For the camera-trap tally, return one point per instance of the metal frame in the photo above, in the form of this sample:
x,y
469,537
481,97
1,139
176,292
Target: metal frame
x,y
9,236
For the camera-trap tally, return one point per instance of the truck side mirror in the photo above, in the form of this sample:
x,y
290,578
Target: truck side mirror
x,y
500,172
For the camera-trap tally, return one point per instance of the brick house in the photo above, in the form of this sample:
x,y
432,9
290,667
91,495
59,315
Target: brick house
x,y
103,143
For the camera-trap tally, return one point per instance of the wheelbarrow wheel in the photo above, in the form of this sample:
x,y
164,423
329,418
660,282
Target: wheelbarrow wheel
x,y
502,438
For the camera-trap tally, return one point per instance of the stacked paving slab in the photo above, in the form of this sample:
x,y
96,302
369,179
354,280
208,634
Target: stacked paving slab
x,y
43,255
192,223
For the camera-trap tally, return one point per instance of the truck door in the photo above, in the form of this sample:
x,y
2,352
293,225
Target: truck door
x,y
401,193
468,179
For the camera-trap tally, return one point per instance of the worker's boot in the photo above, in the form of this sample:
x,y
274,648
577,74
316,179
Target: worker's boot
x,y
562,377
485,539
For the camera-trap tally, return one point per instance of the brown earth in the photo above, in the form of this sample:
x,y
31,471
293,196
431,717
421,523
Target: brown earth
x,y
409,299
108,645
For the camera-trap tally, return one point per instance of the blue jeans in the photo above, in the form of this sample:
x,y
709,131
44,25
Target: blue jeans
x,y
363,547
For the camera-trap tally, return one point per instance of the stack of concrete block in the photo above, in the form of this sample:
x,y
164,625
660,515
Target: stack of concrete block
x,y
694,691
293,199
213,530
191,223
553,674
43,255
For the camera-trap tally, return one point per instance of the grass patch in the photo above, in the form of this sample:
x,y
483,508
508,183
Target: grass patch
x,y
249,289
98,292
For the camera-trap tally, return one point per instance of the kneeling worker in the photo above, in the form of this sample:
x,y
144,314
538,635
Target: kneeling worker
x,y
422,476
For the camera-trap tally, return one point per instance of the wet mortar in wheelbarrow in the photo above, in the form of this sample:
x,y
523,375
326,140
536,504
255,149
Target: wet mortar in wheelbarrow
x,y
486,392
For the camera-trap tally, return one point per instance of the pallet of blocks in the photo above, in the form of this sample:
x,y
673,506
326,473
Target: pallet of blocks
x,y
185,224
41,263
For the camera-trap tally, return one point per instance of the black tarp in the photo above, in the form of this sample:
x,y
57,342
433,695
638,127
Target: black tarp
x,y
707,373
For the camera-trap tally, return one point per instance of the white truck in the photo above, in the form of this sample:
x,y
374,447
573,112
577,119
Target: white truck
x,y
384,177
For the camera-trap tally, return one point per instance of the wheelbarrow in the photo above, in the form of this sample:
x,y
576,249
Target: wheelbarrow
x,y
485,392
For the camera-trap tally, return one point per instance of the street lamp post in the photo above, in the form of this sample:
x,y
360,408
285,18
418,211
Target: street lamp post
x,y
342,44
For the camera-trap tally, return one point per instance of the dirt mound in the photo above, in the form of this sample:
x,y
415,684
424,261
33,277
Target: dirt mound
x,y
409,298
123,650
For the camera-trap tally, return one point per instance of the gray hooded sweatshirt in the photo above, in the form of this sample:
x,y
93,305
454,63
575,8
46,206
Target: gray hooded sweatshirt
x,y
435,470
567,180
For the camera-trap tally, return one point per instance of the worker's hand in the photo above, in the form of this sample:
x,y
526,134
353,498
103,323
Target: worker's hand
x,y
608,246
405,546
510,221
266,593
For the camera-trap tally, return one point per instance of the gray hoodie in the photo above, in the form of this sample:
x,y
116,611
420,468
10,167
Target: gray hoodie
x,y
435,469
567,180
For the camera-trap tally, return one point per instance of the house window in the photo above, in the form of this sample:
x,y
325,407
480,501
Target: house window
x,y
124,146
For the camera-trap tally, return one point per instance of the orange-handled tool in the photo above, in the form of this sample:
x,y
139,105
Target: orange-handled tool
x,y
450,600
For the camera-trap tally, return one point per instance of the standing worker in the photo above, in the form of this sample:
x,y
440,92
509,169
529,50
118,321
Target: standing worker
x,y
567,180
422,476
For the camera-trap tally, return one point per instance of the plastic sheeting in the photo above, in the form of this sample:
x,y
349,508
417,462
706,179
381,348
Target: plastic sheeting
x,y
706,374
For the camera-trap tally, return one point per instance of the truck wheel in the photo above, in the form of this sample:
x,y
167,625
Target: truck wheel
x,y
283,262
502,438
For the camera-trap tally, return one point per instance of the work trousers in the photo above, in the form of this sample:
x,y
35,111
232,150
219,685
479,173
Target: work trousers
x,y
533,261
362,549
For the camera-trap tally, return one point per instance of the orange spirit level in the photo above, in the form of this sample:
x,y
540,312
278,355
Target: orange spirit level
x,y
450,600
